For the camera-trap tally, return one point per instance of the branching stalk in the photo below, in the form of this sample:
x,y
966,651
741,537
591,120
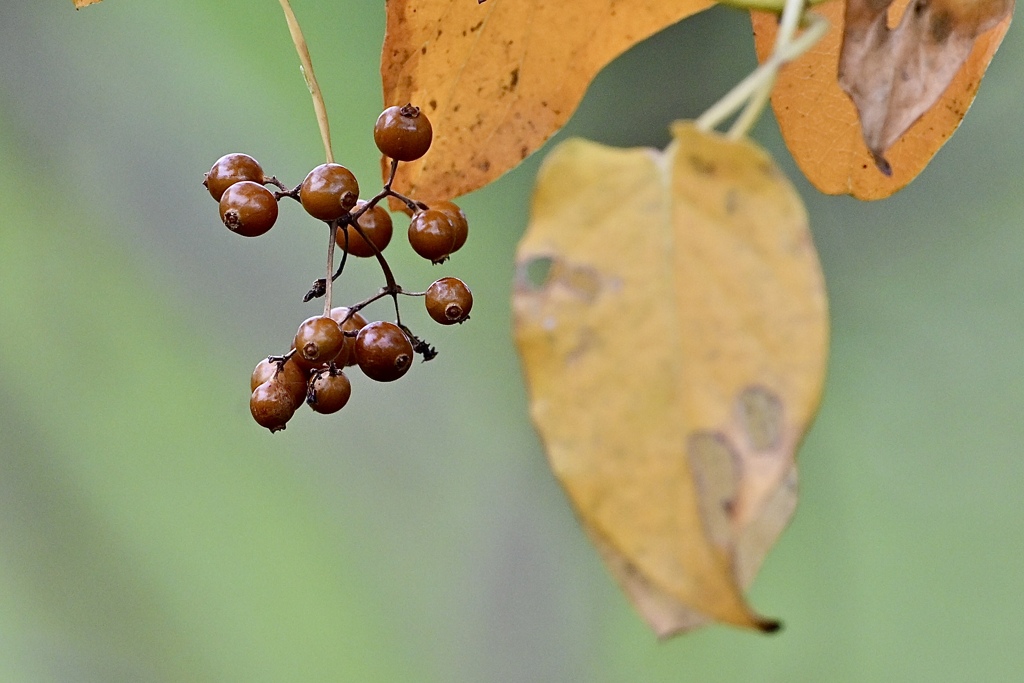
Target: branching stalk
x,y
753,92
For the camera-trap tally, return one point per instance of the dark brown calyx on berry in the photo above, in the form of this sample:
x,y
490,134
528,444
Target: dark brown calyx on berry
x,y
449,301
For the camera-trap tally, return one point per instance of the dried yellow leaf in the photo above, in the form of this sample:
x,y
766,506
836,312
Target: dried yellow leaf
x,y
674,354
79,4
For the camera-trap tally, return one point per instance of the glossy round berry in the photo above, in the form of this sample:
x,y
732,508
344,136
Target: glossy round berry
x,y
376,224
431,235
349,323
231,169
271,405
341,360
383,351
458,219
318,341
290,373
449,301
328,391
403,133
248,209
329,192
344,356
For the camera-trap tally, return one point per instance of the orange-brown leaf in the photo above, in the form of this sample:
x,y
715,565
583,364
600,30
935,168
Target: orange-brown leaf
x,y
674,356
820,124
498,79
895,75
79,4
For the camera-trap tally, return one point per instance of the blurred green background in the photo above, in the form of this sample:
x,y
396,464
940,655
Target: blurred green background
x,y
149,531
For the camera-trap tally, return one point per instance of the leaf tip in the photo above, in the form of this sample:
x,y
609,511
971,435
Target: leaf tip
x,y
769,625
882,164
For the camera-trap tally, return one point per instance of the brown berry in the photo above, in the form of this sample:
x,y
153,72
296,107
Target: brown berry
x,y
383,351
432,235
329,192
403,133
271,405
318,341
449,301
248,209
290,373
458,218
376,225
328,391
231,169
349,323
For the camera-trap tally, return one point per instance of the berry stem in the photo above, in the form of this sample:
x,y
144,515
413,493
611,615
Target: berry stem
x,y
413,205
307,73
281,360
391,286
355,308
391,177
272,180
329,284
389,277
344,256
285,192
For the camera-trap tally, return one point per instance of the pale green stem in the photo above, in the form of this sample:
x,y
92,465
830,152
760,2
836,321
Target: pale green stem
x,y
754,90
329,284
791,13
307,73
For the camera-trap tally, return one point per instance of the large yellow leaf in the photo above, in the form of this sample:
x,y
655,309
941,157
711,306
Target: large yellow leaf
x,y
819,121
674,355
499,78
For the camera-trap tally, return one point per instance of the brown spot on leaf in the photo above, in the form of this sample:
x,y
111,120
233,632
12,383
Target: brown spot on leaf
x,y
714,465
731,201
702,166
582,281
941,26
761,415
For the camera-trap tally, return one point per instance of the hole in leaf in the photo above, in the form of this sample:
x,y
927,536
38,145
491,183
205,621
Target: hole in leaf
x,y
536,272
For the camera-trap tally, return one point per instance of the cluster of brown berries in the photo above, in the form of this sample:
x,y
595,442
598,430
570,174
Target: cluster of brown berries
x,y
312,371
